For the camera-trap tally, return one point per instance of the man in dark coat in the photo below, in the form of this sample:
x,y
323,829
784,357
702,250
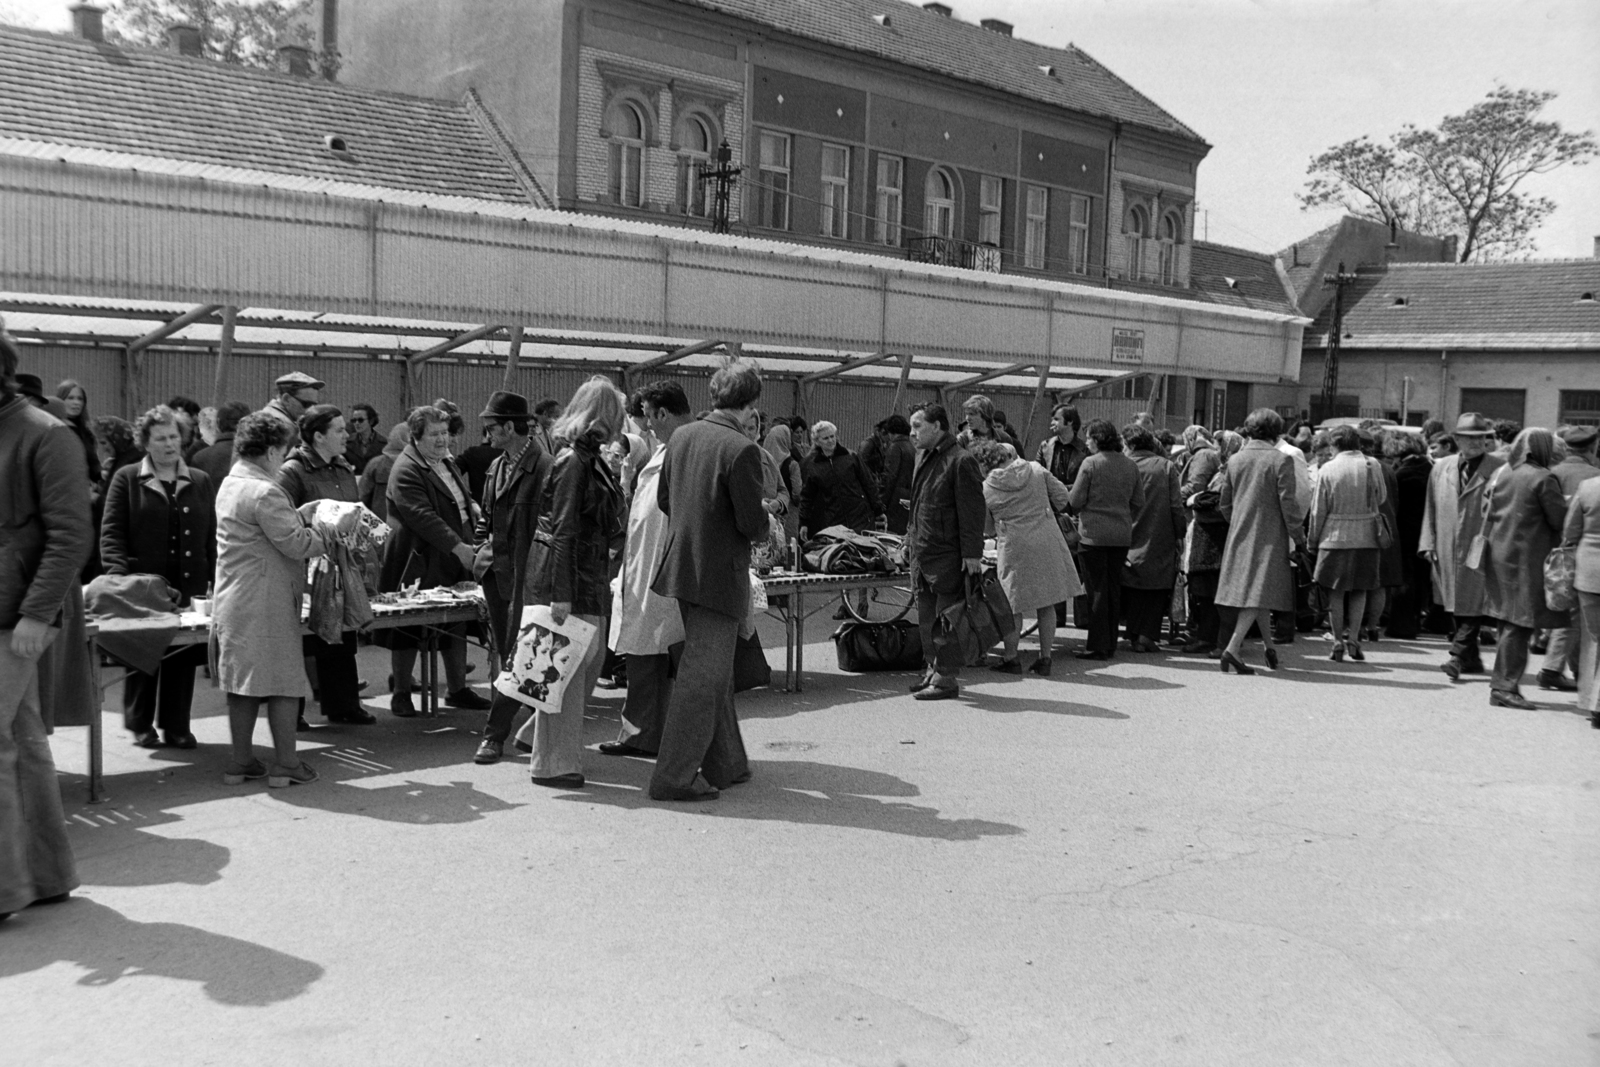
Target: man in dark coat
x,y
216,459
836,488
899,461
431,508
710,489
44,539
944,538
507,519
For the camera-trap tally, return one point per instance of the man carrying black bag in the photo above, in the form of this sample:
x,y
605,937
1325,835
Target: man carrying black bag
x,y
944,540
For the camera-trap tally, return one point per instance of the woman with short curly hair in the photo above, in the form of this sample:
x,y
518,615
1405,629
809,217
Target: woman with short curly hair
x,y
1105,496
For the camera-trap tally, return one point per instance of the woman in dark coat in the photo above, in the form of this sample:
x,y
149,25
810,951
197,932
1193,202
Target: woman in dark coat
x,y
431,509
581,523
1208,532
1409,604
159,519
1524,514
1152,566
317,470
836,489
75,398
1105,497
1391,562
1264,520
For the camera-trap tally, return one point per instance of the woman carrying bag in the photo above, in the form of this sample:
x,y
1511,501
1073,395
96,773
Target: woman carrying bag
x,y
1349,492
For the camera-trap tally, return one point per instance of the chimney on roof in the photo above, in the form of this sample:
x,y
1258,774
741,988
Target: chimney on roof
x,y
939,9
184,39
294,59
1002,28
1597,247
86,22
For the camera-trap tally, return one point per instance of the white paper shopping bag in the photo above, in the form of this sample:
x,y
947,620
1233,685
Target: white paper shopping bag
x,y
546,658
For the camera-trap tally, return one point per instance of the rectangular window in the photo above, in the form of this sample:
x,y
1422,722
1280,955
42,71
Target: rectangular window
x,y
1169,263
1135,256
627,173
835,191
886,215
991,194
1038,203
1496,403
772,186
692,198
1580,407
1078,234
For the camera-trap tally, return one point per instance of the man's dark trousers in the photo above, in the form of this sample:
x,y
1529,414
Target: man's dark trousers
x,y
502,709
940,648
701,733
1464,640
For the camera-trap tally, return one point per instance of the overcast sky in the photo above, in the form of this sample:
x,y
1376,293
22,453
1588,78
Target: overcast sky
x,y
1269,83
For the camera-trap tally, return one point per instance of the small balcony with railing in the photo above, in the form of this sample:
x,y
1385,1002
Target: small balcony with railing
x,y
950,252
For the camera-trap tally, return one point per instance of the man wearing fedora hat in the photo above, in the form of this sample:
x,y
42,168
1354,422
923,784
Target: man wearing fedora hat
x,y
512,489
292,395
1452,519
1575,468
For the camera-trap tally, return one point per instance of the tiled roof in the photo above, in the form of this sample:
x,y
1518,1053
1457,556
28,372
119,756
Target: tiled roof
x,y
69,91
1238,277
949,46
1302,261
1529,305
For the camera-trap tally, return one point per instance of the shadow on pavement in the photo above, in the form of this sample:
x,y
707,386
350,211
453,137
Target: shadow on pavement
x,y
114,846
111,947
801,791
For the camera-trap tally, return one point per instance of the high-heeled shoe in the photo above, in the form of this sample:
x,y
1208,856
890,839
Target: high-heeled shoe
x,y
1230,660
1337,655
1355,653
1272,658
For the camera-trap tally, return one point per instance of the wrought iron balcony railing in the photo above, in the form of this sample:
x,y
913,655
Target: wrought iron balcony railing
x,y
953,253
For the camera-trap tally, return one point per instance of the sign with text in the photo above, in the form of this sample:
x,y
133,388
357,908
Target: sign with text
x,y
1127,346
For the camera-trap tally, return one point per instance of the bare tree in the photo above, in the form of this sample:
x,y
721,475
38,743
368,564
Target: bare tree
x,y
246,32
1462,178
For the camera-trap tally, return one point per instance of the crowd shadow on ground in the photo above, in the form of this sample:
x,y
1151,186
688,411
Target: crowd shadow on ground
x,y
110,947
799,791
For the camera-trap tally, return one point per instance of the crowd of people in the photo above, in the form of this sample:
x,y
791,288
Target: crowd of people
x,y
640,517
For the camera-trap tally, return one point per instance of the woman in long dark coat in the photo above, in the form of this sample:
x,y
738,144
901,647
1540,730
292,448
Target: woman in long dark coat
x,y
1208,532
1524,516
1151,569
1391,563
1258,498
1409,604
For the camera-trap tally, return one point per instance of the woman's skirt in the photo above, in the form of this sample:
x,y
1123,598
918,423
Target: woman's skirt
x,y
1349,570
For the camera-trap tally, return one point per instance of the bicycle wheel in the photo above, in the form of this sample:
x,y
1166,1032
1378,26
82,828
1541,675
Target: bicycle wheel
x,y
878,604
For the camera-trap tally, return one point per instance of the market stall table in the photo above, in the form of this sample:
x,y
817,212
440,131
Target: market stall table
x,y
798,587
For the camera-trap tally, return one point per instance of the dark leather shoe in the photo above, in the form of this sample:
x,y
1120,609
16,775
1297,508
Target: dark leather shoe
x,y
1008,666
300,725
920,683
400,706
489,751
467,700
355,718
1504,699
1554,681
184,740
622,748
1041,666
936,692
699,789
1452,669
561,781
146,739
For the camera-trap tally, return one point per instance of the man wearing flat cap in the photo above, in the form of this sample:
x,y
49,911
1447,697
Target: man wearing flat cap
x,y
1452,519
512,489
296,392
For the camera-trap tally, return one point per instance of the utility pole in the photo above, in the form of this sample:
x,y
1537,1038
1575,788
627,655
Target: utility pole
x,y
724,176
1330,372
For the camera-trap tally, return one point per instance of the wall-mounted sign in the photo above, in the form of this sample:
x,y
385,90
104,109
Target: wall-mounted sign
x,y
1127,346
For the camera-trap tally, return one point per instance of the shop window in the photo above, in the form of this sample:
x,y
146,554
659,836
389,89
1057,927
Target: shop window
x,y
835,191
888,209
772,184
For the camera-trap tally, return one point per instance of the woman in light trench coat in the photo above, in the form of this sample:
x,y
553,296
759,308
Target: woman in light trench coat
x,y
262,545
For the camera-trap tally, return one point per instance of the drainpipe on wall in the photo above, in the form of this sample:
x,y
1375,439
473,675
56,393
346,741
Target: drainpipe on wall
x,y
1444,383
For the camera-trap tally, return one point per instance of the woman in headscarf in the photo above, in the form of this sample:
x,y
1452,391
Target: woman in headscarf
x,y
1207,531
779,444
1524,513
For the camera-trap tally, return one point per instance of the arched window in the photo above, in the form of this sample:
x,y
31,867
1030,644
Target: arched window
x,y
1171,238
1137,229
629,129
696,142
939,200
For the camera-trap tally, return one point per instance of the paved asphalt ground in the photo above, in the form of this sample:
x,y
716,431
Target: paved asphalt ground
x,y
1146,863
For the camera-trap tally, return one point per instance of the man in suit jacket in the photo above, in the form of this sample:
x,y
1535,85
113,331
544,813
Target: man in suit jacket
x,y
710,489
944,538
507,518
1452,518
